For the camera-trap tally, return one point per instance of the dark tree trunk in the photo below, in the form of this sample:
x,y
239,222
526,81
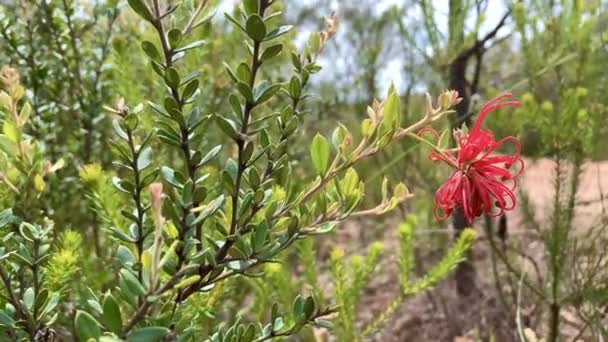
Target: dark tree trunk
x,y
465,272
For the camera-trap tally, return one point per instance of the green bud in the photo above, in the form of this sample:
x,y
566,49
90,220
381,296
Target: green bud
x,y
547,107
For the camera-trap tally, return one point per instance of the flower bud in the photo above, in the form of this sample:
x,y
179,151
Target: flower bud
x,y
448,99
337,253
519,13
120,108
356,261
9,76
547,107
156,198
376,247
527,99
91,173
581,92
581,116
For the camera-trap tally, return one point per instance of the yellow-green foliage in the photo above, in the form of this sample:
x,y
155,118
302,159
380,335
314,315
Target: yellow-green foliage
x,y
65,262
307,255
455,254
105,201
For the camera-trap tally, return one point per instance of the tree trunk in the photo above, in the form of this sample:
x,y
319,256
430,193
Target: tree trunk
x,y
465,272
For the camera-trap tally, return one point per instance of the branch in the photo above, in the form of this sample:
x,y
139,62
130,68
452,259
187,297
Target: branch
x,y
479,44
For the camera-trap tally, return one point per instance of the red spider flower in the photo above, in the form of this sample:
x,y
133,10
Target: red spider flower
x,y
483,181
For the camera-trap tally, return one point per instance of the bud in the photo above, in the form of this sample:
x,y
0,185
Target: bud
x,y
530,335
367,127
49,167
376,111
448,99
581,92
156,202
356,261
337,253
376,247
582,117
547,107
156,199
91,173
9,76
347,141
519,13
120,108
401,192
461,132
527,99
331,28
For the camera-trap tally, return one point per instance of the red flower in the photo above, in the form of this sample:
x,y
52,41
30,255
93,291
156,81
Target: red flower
x,y
483,181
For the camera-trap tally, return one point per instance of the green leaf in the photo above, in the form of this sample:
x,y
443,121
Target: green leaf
x,y
148,334
132,283
125,257
295,87
172,78
122,236
119,130
309,307
151,50
235,22
112,317
123,185
159,109
6,320
278,32
140,8
444,139
131,121
272,51
173,177
175,37
11,132
28,298
256,28
319,153
243,73
264,93
210,155
259,238
392,113
190,46
7,146
245,90
231,73
298,308
49,305
144,159
235,104
190,89
86,326
149,178
188,281
6,217
227,126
